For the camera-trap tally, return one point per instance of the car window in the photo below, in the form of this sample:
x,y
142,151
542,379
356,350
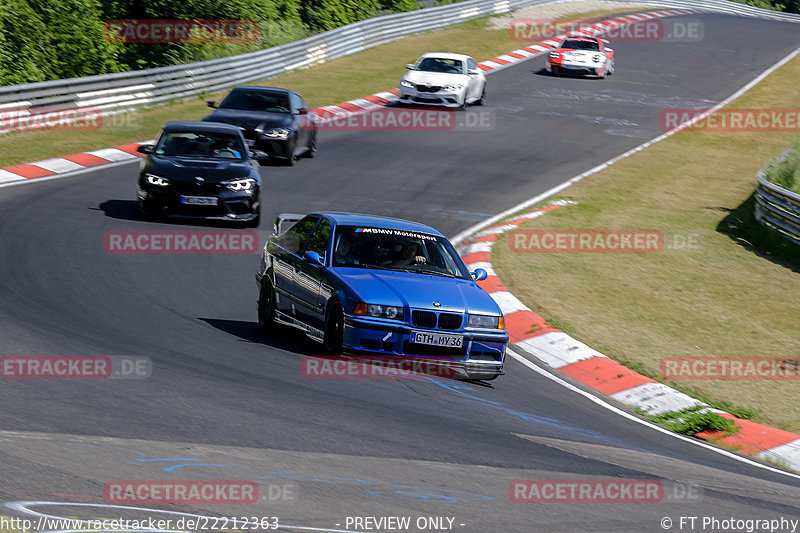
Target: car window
x,y
581,45
318,242
295,102
439,64
252,100
296,236
201,144
471,64
394,249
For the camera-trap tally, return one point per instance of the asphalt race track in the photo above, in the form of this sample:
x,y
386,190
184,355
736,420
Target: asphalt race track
x,y
226,402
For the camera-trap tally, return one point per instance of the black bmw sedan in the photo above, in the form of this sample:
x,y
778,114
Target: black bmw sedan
x,y
278,120
200,170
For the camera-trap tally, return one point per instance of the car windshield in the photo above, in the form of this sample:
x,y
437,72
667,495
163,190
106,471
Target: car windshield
x,y
581,45
205,144
395,249
439,64
269,101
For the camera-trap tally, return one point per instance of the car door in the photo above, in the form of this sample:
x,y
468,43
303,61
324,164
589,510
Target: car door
x,y
286,257
309,276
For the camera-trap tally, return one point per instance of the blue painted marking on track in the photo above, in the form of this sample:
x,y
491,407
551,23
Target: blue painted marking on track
x,y
175,467
459,389
403,492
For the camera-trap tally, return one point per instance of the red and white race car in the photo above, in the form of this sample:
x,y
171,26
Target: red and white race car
x,y
581,55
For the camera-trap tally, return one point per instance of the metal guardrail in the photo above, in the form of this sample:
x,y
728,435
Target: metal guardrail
x,y
113,93
777,207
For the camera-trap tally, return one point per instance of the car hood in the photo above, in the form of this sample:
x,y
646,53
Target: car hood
x,y
187,168
435,78
250,120
418,291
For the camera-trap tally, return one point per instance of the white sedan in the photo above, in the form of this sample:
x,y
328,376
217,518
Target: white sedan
x,y
438,78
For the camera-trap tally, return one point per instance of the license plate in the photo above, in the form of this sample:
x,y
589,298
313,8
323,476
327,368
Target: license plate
x,y
437,339
199,200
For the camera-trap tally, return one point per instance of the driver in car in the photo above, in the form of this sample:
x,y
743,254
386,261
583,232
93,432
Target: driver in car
x,y
224,148
410,255
344,252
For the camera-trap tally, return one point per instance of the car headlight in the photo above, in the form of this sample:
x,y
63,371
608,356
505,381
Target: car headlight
x,y
486,322
453,87
404,83
597,58
277,133
378,311
152,179
555,55
244,184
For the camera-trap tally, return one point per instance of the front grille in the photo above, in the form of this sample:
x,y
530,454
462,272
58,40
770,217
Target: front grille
x,y
197,188
450,321
431,89
410,348
423,319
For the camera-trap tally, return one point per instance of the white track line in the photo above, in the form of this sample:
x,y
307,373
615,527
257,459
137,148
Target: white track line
x,y
638,420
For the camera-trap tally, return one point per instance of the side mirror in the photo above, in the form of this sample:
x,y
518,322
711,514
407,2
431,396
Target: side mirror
x,y
410,66
212,104
145,149
314,258
473,71
258,155
303,111
479,274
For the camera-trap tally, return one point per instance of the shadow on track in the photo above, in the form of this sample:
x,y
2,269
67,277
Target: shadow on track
x,y
126,210
282,338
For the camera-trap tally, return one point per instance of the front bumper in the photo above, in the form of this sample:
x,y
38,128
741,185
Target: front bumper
x,y
580,69
438,98
481,356
242,206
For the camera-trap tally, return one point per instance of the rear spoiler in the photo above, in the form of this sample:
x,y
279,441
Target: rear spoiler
x,y
285,221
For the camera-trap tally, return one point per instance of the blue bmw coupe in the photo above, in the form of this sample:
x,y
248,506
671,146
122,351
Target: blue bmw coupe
x,y
365,284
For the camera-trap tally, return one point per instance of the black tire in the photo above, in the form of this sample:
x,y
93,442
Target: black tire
x,y
482,99
266,305
291,158
334,328
312,147
256,221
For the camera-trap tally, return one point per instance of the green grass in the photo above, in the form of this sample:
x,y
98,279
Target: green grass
x,y
785,171
374,70
736,295
691,422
